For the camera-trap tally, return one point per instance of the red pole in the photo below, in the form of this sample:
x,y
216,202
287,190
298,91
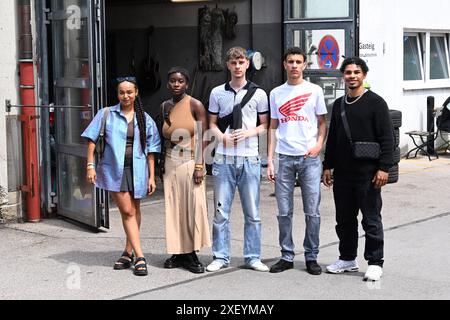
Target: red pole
x,y
28,117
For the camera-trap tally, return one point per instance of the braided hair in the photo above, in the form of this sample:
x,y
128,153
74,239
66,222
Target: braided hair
x,y
139,112
140,117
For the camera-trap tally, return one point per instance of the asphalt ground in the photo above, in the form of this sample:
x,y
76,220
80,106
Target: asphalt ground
x,y
59,260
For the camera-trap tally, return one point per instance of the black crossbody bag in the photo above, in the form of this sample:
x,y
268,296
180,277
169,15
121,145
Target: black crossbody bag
x,y
234,119
360,150
101,143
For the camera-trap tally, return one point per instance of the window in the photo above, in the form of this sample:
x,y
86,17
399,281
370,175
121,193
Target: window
x,y
426,58
438,57
412,59
323,9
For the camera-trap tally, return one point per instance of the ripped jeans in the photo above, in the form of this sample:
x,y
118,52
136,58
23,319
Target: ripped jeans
x,y
244,173
309,171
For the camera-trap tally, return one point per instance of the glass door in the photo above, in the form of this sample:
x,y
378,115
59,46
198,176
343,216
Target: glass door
x,y
77,47
327,31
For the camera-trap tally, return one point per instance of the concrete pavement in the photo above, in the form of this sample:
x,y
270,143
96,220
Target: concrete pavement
x,y
56,259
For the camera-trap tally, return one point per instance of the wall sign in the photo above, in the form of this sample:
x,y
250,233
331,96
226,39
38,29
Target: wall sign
x,y
328,53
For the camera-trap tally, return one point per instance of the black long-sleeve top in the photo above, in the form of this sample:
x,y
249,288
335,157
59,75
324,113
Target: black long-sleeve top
x,y
369,121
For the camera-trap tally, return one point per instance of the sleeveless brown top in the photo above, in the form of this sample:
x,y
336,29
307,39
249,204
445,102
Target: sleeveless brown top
x,y
182,125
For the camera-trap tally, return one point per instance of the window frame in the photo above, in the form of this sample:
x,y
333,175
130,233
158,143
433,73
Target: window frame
x,y
424,46
446,55
289,9
350,25
420,50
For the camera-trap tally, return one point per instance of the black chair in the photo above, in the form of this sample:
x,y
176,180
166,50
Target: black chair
x,y
421,140
443,125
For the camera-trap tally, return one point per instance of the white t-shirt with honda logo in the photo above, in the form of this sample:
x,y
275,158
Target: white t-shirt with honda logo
x,y
296,107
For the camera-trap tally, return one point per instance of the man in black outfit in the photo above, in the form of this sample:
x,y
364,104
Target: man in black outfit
x,y
357,183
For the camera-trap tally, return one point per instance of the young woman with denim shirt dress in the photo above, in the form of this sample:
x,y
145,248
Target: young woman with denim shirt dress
x,y
126,168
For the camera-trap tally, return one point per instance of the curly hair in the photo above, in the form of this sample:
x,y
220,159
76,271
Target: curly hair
x,y
356,61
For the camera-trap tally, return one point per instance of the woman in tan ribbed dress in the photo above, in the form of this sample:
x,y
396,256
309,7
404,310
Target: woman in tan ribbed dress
x,y
187,228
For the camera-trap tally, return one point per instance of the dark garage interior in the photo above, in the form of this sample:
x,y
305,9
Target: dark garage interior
x,y
145,38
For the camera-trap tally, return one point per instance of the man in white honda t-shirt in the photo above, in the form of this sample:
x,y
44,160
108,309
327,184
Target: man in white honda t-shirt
x,y
298,121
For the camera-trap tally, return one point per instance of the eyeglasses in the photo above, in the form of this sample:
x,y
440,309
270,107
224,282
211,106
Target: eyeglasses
x,y
128,79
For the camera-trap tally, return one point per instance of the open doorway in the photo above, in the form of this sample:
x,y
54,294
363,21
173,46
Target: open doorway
x,y
146,38
85,45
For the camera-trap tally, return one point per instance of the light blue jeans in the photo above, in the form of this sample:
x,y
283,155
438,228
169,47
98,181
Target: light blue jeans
x,y
309,171
245,174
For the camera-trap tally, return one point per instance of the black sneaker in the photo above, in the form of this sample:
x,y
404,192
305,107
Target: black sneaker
x,y
281,266
313,268
175,261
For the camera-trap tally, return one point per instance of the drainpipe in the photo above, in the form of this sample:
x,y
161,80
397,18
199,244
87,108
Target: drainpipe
x,y
28,115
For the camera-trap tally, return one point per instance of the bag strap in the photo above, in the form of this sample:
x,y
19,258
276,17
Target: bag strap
x,y
165,112
252,87
344,120
103,125
231,118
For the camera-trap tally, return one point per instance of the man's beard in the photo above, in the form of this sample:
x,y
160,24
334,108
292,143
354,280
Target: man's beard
x,y
353,87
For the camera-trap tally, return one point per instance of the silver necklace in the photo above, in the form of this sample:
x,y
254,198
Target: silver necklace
x,y
354,101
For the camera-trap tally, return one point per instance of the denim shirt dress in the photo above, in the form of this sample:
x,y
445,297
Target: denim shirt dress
x,y
109,169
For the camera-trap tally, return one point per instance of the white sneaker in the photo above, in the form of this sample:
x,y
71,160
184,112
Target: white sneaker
x,y
373,273
216,265
257,265
341,266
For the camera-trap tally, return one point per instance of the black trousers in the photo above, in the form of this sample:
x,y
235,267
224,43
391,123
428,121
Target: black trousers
x,y
349,198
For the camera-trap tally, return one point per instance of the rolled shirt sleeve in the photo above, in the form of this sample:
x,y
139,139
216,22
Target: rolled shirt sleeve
x,y
153,139
93,130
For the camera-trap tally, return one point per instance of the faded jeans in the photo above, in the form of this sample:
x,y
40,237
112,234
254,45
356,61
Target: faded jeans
x,y
309,171
245,174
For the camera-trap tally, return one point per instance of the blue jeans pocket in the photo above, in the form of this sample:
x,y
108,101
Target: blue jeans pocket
x,y
254,161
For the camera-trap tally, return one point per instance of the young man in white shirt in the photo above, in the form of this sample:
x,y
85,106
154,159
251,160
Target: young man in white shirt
x,y
298,121
237,162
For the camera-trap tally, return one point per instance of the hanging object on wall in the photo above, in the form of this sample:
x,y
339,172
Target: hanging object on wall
x,y
257,60
214,26
231,20
205,44
150,79
217,29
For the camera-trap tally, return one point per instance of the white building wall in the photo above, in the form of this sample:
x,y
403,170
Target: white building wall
x,y
8,85
383,23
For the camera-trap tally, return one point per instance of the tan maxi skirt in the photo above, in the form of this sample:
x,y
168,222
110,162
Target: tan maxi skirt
x,y
187,227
